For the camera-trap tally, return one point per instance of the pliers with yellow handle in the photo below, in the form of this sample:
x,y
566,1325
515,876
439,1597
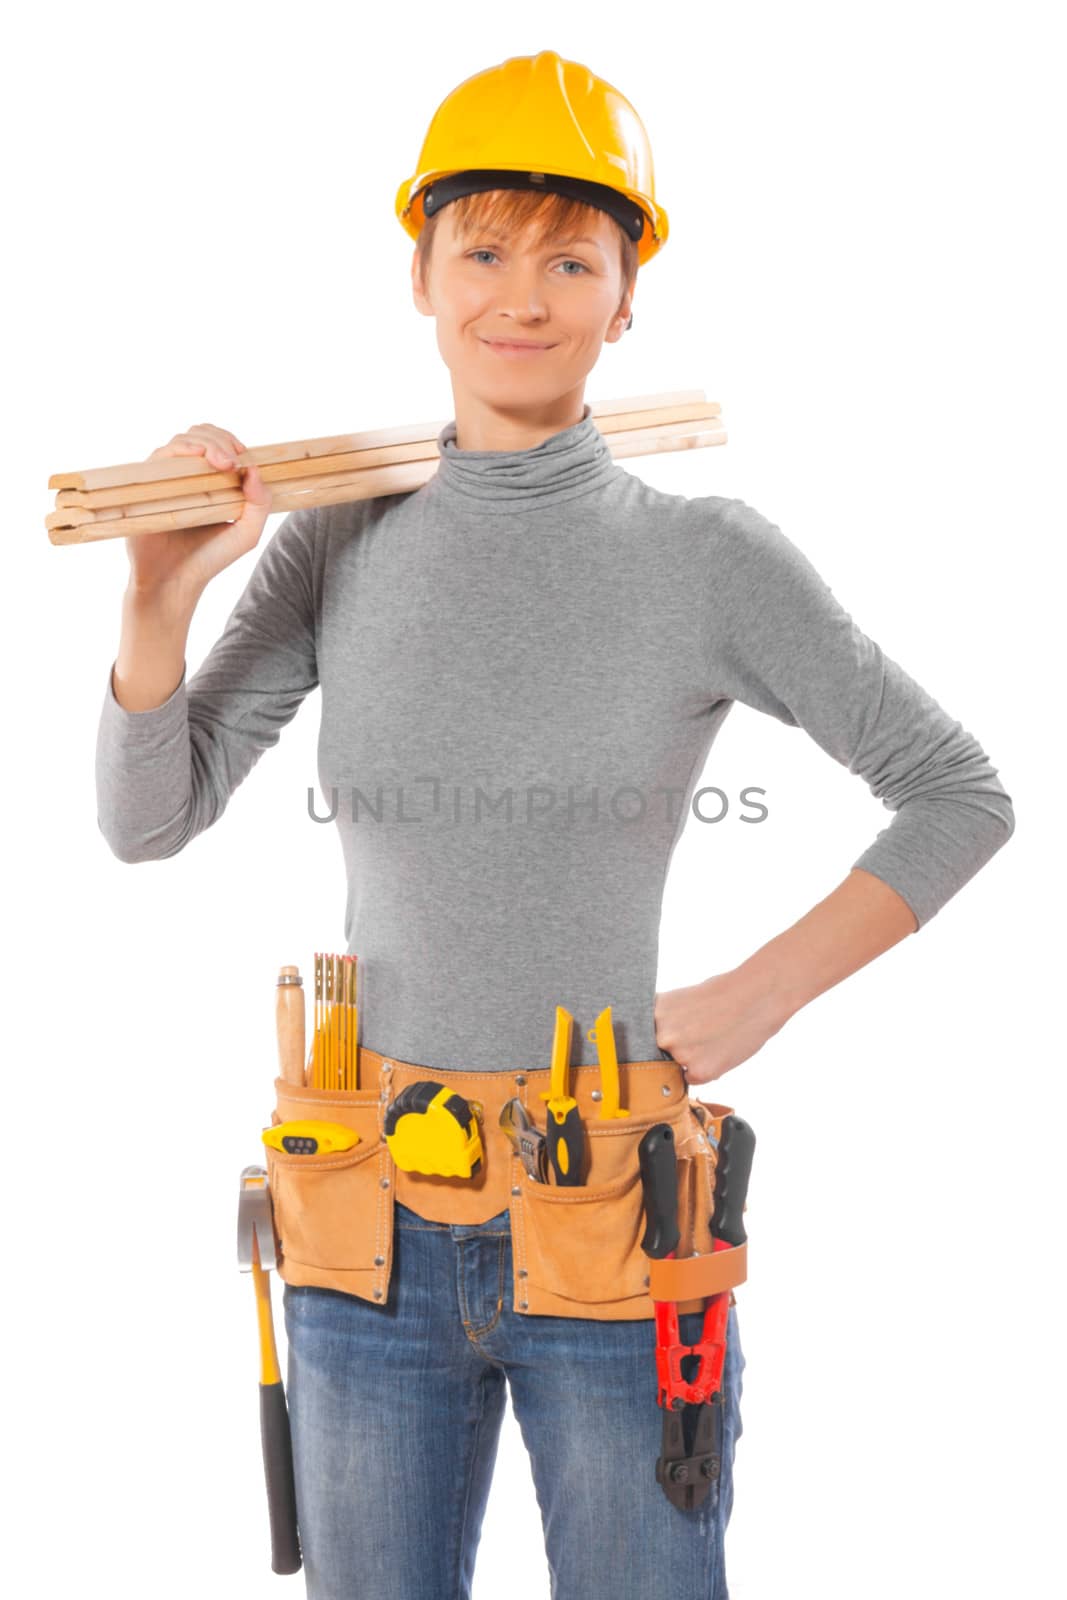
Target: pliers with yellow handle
x,y
563,1130
563,1125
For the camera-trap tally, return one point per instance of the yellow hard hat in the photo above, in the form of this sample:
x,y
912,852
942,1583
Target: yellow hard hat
x,y
539,122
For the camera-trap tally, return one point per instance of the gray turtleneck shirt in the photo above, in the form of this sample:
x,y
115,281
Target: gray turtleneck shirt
x,y
523,665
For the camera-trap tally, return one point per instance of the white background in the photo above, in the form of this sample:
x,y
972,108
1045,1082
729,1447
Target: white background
x,y
863,270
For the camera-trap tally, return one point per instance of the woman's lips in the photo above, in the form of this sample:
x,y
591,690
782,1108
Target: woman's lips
x,y
517,349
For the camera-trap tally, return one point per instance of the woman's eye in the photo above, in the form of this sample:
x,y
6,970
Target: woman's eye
x,y
570,262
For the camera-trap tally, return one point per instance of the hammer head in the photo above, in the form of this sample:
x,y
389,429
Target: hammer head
x,y
255,1221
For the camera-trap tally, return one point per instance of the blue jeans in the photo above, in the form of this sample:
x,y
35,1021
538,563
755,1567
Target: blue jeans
x,y
395,1414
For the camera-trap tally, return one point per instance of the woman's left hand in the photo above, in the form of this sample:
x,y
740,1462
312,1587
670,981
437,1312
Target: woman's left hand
x,y
711,1027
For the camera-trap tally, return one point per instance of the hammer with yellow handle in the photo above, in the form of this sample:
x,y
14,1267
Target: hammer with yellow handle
x,y
256,1254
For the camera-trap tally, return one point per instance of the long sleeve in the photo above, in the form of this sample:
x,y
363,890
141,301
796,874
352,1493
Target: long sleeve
x,y
783,644
166,774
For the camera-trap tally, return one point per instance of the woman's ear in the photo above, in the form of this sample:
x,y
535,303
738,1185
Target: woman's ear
x,y
418,291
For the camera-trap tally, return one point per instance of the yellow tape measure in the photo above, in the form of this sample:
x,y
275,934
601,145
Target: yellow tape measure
x,y
429,1128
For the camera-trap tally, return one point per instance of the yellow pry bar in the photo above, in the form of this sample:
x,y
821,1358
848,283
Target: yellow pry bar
x,y
604,1034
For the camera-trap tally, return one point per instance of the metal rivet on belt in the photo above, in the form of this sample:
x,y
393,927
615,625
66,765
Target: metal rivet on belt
x,y
666,1088
383,1183
646,1282
596,1094
377,1294
520,1078
516,1190
522,1272
379,1261
524,1304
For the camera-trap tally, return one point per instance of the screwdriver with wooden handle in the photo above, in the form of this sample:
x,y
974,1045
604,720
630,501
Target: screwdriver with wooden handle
x,y
289,1014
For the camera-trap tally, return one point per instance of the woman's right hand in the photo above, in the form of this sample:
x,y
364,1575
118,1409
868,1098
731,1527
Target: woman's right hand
x,y
181,562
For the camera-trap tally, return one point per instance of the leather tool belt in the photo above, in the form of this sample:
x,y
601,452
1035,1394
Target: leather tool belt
x,y
576,1249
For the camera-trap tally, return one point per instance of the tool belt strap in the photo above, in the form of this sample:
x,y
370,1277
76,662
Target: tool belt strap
x,y
691,1277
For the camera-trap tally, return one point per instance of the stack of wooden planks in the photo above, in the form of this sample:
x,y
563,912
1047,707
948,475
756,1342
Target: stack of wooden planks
x,y
185,492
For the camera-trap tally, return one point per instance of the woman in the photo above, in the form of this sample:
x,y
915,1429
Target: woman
x,y
523,665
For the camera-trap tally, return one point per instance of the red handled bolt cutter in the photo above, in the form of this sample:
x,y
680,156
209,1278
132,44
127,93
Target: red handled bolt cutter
x,y
692,1407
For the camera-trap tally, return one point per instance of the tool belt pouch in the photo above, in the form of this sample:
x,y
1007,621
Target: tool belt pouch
x,y
333,1214
576,1250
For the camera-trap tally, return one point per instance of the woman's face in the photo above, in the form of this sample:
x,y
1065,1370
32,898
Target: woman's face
x,y
564,295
